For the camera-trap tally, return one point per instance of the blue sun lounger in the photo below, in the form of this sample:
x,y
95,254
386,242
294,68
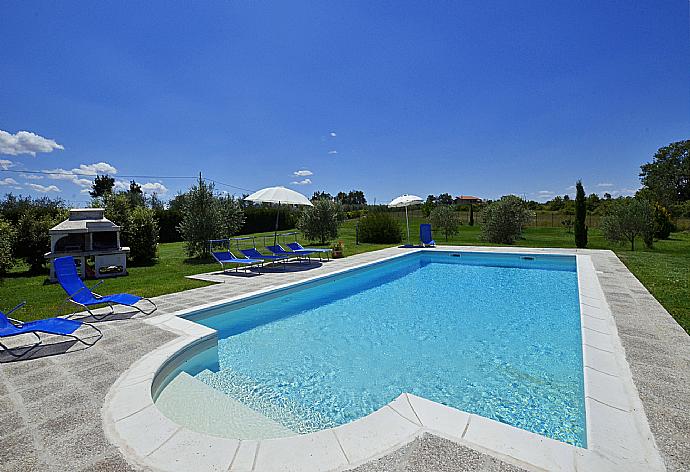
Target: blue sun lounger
x,y
297,247
279,250
58,326
81,295
253,253
227,257
425,235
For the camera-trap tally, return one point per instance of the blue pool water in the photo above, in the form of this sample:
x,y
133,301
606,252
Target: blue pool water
x,y
495,335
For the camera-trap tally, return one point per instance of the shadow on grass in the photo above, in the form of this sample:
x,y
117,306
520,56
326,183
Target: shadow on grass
x,y
199,260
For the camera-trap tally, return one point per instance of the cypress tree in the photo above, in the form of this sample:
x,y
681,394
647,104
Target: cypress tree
x,y
580,216
471,215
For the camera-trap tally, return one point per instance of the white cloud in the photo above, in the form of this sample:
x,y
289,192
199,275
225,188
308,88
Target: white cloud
x,y
605,184
545,192
25,142
43,188
333,152
94,169
154,187
120,185
76,175
146,187
303,173
332,133
8,181
302,182
32,176
5,164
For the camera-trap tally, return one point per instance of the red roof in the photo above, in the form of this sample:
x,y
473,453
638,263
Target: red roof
x,y
468,197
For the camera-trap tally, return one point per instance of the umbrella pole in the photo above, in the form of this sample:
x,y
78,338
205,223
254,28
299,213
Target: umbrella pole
x,y
275,233
407,220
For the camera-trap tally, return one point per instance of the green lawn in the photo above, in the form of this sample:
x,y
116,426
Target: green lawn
x,y
665,270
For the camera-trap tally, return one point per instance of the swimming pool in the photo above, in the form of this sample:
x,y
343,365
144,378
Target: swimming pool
x,y
493,334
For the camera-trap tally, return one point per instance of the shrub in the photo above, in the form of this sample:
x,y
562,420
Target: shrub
x,y
663,224
138,226
231,216
321,222
444,218
32,240
142,233
580,225
628,219
379,227
502,220
118,209
7,235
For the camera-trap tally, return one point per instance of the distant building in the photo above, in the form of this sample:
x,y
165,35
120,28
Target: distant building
x,y
467,199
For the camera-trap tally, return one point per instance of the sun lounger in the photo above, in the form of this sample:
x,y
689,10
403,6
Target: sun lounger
x,y
227,257
425,235
81,295
297,247
10,327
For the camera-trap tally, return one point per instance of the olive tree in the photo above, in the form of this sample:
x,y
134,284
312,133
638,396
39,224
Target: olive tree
x,y
503,220
446,219
628,219
321,221
199,218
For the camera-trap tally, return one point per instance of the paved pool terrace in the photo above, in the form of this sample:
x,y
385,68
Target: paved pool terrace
x,y
57,412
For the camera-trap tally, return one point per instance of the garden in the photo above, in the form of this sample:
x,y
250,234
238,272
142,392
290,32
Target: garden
x,y
169,241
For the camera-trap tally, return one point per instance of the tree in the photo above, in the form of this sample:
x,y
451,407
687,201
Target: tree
x,y
607,196
318,195
580,225
118,207
663,224
471,223
135,194
342,198
445,199
7,235
142,232
557,204
627,219
199,218
446,219
231,216
668,175
428,205
102,185
502,220
322,221
356,197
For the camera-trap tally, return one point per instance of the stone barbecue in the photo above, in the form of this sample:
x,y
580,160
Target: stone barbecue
x,y
88,236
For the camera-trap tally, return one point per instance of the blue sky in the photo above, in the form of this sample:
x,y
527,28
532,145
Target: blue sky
x,y
475,97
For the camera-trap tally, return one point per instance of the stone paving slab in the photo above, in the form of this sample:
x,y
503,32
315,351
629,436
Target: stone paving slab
x,y
51,415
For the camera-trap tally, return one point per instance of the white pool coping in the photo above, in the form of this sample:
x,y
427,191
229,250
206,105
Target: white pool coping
x,y
618,434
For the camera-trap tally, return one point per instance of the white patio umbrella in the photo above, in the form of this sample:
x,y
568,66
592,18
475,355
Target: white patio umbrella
x,y
405,201
278,195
